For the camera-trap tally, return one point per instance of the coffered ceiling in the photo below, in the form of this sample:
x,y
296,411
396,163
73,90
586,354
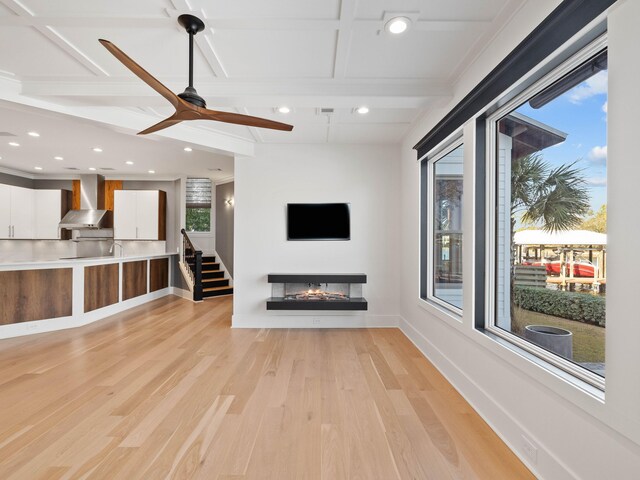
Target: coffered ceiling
x,y
253,56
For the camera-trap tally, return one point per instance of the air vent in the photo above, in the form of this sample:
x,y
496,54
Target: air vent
x,y
7,134
71,168
325,111
106,168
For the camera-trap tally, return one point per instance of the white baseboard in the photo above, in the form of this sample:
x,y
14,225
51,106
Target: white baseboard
x,y
63,323
179,292
315,320
483,403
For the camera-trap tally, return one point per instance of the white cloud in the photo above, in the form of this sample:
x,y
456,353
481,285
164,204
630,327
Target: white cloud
x,y
598,154
595,85
597,181
605,106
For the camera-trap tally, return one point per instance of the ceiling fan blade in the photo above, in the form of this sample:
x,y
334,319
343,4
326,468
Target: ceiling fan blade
x,y
239,119
145,76
167,122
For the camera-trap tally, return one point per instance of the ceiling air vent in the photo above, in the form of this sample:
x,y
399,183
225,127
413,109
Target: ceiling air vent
x,y
71,168
106,168
325,111
6,134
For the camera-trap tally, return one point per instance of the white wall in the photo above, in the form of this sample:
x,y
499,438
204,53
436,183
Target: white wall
x,y
578,435
364,176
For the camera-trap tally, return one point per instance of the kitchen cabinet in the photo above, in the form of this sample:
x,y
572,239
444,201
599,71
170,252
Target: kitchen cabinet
x,y
17,210
31,214
50,207
139,215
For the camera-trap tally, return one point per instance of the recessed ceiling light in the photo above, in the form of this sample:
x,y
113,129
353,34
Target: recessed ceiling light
x,y
58,158
188,149
284,109
97,149
152,171
397,25
14,144
129,162
38,168
362,110
33,134
93,169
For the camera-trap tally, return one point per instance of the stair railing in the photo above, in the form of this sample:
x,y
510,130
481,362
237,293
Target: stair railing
x,y
192,256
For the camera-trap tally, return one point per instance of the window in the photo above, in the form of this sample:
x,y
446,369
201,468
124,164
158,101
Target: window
x,y
442,238
198,205
547,242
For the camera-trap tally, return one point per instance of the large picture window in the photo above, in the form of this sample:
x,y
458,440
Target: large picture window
x,y
442,275
547,166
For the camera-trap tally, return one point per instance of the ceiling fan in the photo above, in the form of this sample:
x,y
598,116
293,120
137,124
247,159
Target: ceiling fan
x,y
188,104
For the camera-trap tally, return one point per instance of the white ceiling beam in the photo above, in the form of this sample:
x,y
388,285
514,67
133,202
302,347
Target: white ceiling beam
x,y
294,24
205,45
222,102
55,37
86,22
236,89
343,41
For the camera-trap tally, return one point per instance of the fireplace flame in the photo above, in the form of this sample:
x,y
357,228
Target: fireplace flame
x,y
317,294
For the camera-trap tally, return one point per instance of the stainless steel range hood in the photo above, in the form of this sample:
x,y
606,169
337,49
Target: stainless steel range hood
x,y
92,214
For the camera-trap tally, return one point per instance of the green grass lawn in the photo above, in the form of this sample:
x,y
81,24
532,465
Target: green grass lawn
x,y
588,340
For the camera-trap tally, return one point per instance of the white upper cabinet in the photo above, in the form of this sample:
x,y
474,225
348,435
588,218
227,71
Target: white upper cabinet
x,y
5,211
50,206
147,209
16,212
124,214
31,214
22,213
139,215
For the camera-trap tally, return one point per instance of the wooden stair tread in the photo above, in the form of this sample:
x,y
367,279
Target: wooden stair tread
x,y
212,271
216,289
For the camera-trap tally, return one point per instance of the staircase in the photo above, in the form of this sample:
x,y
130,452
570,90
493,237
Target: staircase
x,y
213,282
202,272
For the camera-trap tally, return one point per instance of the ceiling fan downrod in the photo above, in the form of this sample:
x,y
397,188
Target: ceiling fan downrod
x,y
192,25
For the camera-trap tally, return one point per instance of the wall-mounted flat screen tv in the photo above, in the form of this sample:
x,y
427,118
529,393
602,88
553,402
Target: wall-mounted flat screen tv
x,y
318,221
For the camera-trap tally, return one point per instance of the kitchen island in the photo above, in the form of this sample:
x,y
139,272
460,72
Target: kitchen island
x,y
43,296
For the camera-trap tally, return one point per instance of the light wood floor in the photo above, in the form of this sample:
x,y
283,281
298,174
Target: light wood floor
x,y
169,390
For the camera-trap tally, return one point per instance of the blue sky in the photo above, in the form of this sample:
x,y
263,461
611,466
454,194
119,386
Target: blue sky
x,y
582,114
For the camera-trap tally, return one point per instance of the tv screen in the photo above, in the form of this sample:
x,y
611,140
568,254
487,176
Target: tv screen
x,y
318,221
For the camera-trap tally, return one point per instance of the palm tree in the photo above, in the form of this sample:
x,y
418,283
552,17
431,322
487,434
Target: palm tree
x,y
555,198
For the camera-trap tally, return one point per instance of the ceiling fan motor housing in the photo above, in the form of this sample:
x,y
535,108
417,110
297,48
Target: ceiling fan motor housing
x,y
190,95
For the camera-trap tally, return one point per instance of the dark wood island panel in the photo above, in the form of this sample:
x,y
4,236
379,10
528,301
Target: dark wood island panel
x,y
100,286
27,295
158,274
134,279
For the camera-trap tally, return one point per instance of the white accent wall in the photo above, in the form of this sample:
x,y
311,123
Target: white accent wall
x,y
579,435
366,177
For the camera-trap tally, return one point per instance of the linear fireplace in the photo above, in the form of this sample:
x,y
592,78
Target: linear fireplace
x,y
316,291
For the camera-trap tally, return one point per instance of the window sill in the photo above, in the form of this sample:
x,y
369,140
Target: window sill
x,y
439,311
549,368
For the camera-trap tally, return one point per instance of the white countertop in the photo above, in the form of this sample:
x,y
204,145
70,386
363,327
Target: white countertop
x,y
62,262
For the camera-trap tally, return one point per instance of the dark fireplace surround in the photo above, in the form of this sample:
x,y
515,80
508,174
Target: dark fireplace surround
x,y
316,291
